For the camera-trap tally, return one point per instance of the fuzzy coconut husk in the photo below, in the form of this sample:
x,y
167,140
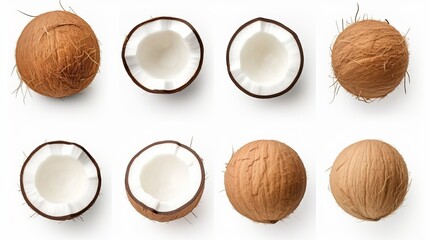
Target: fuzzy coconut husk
x,y
370,59
265,181
369,179
57,54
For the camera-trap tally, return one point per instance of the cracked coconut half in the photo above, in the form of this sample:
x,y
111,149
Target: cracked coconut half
x,y
165,181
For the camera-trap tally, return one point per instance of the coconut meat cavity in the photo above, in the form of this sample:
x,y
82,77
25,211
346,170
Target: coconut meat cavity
x,y
163,54
60,180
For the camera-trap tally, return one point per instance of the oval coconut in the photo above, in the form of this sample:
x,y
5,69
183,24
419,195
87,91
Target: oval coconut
x,y
265,180
57,54
369,179
370,59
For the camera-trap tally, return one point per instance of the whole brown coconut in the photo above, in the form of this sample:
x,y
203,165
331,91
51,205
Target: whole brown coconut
x,y
57,54
265,181
369,179
370,59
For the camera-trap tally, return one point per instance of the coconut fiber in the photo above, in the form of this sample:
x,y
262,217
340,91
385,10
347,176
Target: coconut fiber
x,y
370,59
369,179
57,54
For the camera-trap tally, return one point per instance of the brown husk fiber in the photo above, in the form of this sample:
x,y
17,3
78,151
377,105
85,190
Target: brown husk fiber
x,y
369,179
265,180
370,59
57,54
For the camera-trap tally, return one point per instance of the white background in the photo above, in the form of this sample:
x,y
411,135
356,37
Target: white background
x,y
113,119
399,119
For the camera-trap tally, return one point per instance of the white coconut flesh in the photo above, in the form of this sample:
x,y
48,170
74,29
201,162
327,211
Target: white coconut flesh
x,y
165,177
60,180
264,58
163,55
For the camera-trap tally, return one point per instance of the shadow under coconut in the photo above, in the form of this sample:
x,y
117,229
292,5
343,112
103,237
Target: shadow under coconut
x,y
296,94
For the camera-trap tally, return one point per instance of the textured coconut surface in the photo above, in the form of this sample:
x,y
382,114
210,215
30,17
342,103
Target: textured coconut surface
x,y
370,59
369,179
265,180
57,54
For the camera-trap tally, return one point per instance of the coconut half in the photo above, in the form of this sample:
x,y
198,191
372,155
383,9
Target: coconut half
x,y
165,181
60,180
163,55
264,58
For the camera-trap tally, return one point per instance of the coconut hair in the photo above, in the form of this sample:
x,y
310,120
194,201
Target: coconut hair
x,y
369,58
57,54
369,179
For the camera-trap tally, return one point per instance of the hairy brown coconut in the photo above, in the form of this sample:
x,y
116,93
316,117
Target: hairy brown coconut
x,y
265,180
369,179
370,59
57,54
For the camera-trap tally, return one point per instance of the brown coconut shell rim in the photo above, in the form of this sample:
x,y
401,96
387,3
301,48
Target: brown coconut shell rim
x,y
65,217
163,91
193,199
301,52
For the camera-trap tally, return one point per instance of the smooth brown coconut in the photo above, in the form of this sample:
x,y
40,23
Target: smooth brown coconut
x,y
370,59
57,54
265,180
369,179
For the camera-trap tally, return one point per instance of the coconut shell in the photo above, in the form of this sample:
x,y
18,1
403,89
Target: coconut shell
x,y
370,59
369,179
169,216
57,54
265,181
